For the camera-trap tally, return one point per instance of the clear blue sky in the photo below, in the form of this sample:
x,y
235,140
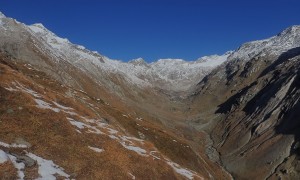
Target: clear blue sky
x,y
153,29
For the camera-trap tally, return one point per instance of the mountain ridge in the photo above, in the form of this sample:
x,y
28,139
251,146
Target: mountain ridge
x,y
177,75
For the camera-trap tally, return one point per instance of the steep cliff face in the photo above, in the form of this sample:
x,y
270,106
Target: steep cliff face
x,y
261,121
255,125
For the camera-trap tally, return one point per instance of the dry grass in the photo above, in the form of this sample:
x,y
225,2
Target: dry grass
x,y
54,138
7,171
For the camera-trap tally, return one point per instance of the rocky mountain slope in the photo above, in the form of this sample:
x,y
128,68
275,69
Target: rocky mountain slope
x,y
219,117
254,103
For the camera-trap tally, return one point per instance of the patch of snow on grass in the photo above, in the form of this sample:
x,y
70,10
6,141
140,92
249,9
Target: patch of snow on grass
x,y
12,145
61,106
125,141
138,150
20,87
184,172
82,125
70,113
113,137
94,130
126,138
96,149
112,131
29,91
78,131
3,157
44,105
152,153
132,176
18,165
10,89
78,124
47,169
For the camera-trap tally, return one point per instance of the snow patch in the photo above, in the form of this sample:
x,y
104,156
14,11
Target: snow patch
x,y
10,89
136,149
12,145
96,149
47,169
44,105
18,165
65,109
3,157
127,142
152,153
132,176
184,172
81,125
61,106
78,124
20,87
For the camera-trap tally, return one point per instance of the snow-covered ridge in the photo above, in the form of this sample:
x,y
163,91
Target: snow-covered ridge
x,y
167,74
2,15
276,45
55,41
176,74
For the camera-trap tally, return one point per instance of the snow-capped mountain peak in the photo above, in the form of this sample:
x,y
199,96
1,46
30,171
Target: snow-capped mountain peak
x,y
38,28
138,61
40,31
290,30
274,46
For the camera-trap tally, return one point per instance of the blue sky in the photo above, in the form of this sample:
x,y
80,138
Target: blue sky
x,y
154,29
